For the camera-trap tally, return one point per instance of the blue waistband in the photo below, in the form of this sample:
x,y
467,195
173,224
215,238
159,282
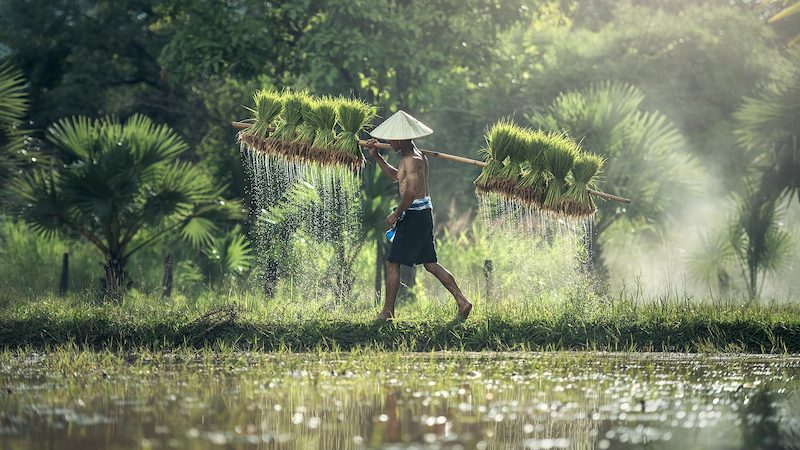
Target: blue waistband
x,y
420,204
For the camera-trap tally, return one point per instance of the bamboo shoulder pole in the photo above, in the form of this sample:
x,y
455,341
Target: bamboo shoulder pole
x,y
242,125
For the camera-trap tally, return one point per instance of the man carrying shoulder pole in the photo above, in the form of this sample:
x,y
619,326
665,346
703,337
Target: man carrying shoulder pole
x,y
411,222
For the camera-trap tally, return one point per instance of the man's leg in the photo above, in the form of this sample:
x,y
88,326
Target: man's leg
x,y
446,278
392,286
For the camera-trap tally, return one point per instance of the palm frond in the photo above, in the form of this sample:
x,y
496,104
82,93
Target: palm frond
x,y
13,96
79,137
151,144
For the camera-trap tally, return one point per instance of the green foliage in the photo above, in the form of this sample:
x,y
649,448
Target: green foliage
x,y
558,158
306,132
311,230
789,10
755,241
338,46
31,264
758,241
121,188
211,37
13,107
227,255
767,126
63,46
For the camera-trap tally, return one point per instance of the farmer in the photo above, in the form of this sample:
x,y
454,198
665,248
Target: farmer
x,y
411,222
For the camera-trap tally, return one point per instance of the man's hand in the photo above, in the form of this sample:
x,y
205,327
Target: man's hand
x,y
373,150
391,219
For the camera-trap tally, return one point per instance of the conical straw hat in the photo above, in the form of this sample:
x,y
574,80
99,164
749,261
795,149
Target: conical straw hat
x,y
399,127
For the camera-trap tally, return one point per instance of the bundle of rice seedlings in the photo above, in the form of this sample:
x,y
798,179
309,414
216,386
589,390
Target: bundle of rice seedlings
x,y
558,158
533,182
499,140
584,172
292,117
323,118
354,115
269,105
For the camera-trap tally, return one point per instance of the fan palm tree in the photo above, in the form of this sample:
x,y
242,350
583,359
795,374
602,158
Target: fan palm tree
x,y
121,188
13,107
642,151
768,127
759,244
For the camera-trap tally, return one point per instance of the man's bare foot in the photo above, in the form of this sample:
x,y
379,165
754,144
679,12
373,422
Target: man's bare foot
x,y
464,308
385,315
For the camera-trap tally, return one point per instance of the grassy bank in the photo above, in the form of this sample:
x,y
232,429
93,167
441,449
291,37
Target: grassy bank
x,y
246,323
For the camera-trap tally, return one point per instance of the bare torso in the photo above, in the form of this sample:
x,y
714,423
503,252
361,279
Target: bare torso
x,y
416,165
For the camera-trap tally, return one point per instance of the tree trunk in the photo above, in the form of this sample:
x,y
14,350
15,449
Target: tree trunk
x,y
116,276
167,284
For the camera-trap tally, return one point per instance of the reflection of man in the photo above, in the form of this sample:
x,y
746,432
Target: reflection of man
x,y
412,220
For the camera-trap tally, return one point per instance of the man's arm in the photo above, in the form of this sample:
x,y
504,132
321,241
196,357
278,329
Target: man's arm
x,y
387,168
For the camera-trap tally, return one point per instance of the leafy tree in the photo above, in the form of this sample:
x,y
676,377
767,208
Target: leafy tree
x,y
644,152
391,52
88,57
121,188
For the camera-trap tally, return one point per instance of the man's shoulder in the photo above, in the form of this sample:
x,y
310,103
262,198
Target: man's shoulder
x,y
414,158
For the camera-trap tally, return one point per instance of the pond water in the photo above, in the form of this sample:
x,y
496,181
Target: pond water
x,y
399,401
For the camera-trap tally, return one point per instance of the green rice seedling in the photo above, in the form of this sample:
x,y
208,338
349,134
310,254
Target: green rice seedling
x,y
292,117
587,167
517,151
488,173
558,158
306,132
535,178
499,140
269,105
323,118
354,115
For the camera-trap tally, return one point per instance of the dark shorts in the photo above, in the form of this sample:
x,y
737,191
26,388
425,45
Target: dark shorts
x,y
413,239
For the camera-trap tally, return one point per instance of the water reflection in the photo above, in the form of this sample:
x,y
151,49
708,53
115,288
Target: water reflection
x,y
392,401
